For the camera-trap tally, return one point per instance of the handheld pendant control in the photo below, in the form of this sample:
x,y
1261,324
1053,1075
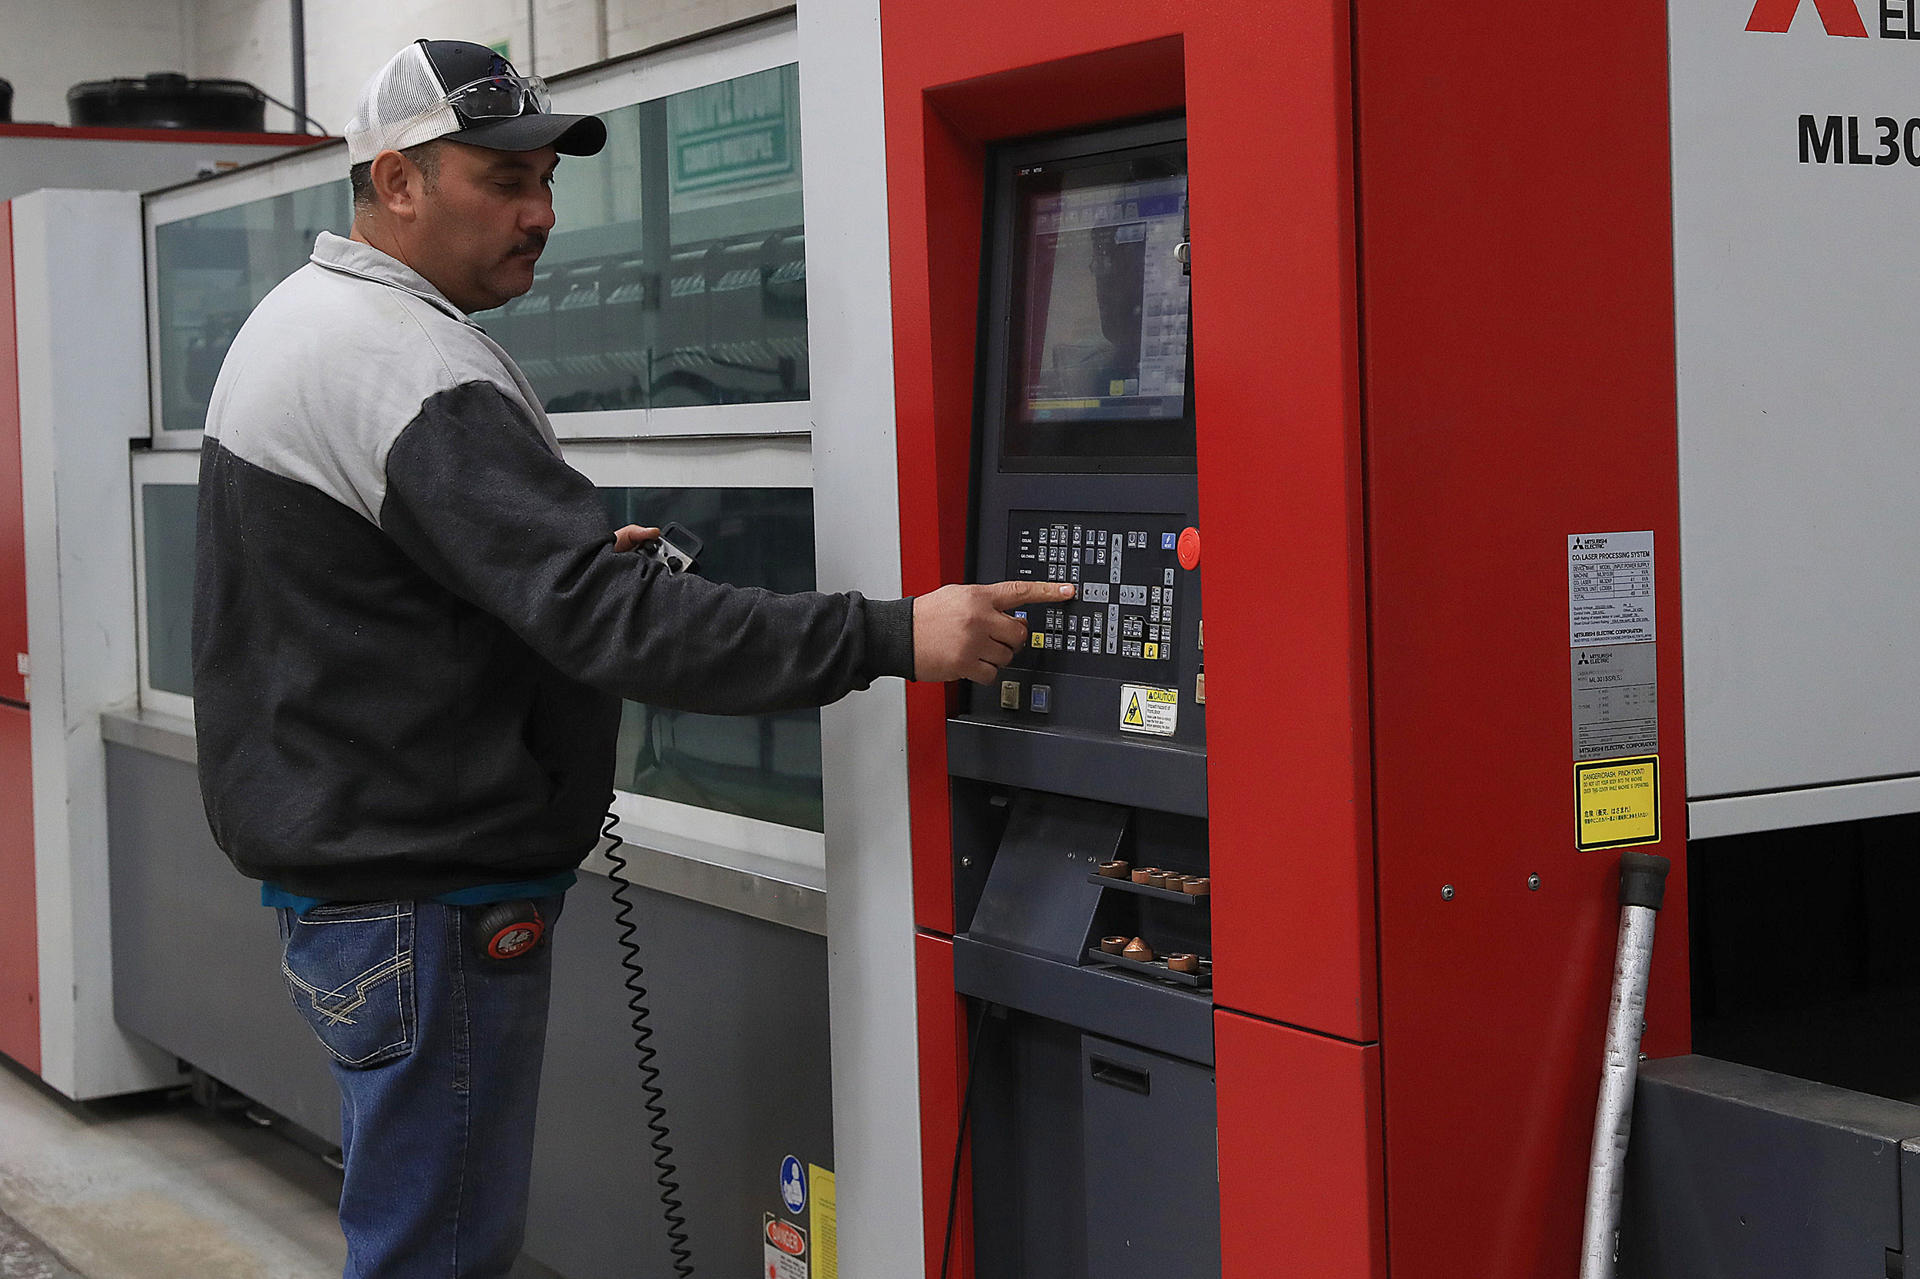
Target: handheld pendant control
x,y
676,549
507,931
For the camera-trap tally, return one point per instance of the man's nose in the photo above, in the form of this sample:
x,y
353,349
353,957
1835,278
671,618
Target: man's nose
x,y
539,215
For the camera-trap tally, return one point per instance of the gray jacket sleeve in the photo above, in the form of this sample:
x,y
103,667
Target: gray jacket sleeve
x,y
477,500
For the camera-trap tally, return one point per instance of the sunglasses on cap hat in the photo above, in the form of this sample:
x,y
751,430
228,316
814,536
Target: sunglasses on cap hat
x,y
500,96
497,107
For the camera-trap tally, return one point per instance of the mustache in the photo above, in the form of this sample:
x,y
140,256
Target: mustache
x,y
535,242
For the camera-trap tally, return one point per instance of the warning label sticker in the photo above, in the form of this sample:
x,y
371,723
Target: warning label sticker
x,y
1618,802
1144,709
785,1248
825,1222
1610,588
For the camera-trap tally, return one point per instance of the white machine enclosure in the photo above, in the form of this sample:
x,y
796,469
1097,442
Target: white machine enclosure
x,y
83,369
870,940
1794,162
82,159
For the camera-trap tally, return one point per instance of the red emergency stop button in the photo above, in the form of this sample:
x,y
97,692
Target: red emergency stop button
x,y
1189,548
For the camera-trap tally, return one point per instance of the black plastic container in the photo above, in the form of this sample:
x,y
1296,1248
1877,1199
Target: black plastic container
x,y
168,100
6,102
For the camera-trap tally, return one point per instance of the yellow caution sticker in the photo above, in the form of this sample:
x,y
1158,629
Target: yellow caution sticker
x,y
1147,709
1619,801
825,1222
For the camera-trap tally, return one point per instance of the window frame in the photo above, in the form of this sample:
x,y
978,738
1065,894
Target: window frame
x,y
155,466
316,167
610,87
766,445
748,844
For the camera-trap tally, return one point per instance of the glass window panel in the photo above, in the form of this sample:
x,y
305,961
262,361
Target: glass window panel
x,y
760,766
167,515
212,270
676,273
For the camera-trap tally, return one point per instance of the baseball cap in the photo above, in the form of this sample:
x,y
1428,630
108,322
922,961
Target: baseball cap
x,y
464,92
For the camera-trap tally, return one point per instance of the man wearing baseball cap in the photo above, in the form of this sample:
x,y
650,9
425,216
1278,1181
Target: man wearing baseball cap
x,y
413,629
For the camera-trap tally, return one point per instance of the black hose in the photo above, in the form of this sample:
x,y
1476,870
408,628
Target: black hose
x,y
960,1139
654,1098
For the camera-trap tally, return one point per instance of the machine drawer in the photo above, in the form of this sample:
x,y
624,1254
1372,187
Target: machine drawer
x,y
1152,1164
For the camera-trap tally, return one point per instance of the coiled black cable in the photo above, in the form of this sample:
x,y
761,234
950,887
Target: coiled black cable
x,y
654,1098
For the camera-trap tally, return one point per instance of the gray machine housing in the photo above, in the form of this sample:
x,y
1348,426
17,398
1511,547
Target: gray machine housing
x,y
1739,1173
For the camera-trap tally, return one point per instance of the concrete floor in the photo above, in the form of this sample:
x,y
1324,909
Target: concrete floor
x,y
154,1187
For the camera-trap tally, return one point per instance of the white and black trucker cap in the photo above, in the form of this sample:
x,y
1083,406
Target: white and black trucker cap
x,y
407,103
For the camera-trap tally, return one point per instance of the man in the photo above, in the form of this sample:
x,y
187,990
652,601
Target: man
x,y
412,632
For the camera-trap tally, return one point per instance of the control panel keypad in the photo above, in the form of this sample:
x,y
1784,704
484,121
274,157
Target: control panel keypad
x,y
1128,587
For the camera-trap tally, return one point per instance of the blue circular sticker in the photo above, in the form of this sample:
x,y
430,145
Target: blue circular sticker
x,y
793,1184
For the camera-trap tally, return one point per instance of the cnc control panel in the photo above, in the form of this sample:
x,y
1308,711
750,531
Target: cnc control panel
x,y
1125,619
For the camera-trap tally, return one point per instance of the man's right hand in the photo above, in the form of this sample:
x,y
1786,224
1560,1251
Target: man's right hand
x,y
964,632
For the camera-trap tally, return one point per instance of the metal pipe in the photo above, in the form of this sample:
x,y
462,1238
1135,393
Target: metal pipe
x,y
533,56
1642,886
300,118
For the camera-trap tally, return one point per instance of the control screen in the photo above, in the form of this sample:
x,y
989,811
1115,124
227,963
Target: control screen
x,y
1097,362
1121,621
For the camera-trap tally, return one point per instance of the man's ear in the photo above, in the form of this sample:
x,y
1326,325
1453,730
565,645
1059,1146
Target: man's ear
x,y
396,184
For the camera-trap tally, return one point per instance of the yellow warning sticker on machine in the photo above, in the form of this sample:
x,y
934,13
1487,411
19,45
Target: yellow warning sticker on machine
x,y
1619,801
825,1223
1145,709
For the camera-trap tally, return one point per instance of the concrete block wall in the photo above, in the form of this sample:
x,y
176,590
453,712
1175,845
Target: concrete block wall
x,y
52,44
348,39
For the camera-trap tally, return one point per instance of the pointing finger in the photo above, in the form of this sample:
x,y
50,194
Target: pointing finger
x,y
1005,596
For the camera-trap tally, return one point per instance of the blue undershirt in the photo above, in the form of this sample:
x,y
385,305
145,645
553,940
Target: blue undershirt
x,y
478,895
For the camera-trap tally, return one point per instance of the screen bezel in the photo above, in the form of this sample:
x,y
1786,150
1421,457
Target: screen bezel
x,y
1133,445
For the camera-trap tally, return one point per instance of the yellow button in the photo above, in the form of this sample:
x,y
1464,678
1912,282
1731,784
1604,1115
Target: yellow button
x,y
1153,652
1037,640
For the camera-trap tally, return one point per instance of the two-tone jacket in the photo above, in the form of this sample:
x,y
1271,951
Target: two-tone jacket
x,y
411,631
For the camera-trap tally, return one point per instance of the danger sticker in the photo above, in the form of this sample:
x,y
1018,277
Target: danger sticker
x,y
1619,802
1149,710
784,1248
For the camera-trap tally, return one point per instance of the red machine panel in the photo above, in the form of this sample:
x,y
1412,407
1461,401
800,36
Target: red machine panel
x,y
1518,303
1300,1189
1267,98
13,555
19,947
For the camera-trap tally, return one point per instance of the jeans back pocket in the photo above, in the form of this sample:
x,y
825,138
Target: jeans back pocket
x,y
349,969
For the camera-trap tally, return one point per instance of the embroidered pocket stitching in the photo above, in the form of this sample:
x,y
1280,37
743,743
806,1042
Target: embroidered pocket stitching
x,y
396,968
361,985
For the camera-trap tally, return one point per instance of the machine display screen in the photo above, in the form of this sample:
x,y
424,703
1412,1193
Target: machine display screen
x,y
1098,358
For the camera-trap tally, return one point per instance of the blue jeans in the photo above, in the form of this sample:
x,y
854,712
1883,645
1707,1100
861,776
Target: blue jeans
x,y
437,1052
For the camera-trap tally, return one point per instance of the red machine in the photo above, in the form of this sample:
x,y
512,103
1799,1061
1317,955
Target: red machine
x,y
1432,345
19,958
